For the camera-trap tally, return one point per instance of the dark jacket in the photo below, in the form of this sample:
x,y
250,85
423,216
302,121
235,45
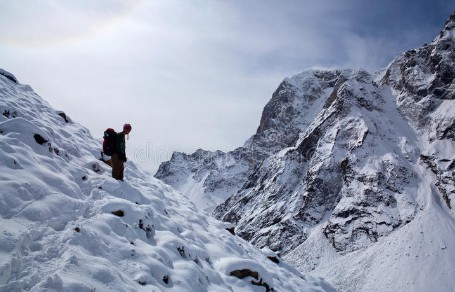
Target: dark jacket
x,y
120,143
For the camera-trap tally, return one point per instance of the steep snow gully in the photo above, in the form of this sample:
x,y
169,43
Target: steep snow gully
x,y
350,175
66,225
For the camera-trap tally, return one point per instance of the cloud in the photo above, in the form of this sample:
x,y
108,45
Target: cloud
x,y
195,74
50,22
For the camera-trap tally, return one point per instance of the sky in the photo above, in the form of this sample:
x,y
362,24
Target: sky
x,y
190,74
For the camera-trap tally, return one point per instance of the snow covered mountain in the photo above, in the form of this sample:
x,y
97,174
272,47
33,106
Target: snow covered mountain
x,y
66,225
358,179
209,178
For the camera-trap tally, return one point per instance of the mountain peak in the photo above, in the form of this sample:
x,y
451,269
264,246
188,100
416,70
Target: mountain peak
x,y
450,23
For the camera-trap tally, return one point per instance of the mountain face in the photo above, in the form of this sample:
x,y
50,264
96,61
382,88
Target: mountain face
x,y
67,225
356,165
208,178
329,173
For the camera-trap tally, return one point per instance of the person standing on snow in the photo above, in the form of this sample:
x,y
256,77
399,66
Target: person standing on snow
x,y
118,157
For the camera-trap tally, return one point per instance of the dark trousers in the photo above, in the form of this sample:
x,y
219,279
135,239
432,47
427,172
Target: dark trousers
x,y
117,166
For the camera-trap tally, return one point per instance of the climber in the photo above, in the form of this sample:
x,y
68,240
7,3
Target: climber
x,y
119,155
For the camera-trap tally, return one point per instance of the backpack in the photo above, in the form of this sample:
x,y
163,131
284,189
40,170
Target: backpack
x,y
109,141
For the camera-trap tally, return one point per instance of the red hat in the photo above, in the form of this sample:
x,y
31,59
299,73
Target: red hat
x,y
127,127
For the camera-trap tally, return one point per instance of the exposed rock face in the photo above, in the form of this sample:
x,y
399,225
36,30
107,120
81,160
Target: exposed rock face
x,y
424,82
352,154
291,110
347,171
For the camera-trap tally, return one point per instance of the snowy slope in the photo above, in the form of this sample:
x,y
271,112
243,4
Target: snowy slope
x,y
420,256
66,225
